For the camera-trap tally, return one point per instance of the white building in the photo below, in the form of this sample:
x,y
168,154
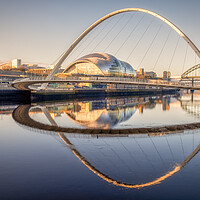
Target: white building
x,y
16,63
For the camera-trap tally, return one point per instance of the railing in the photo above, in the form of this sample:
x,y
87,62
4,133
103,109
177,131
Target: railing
x,y
123,80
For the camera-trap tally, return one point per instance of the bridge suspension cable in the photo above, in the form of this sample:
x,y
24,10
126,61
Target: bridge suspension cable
x,y
164,44
139,40
150,45
174,53
118,33
112,27
93,39
134,28
185,57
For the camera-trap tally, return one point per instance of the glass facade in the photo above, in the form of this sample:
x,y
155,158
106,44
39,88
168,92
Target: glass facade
x,y
101,64
85,68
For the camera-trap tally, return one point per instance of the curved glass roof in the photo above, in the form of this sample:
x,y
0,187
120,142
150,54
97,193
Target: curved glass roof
x,y
107,63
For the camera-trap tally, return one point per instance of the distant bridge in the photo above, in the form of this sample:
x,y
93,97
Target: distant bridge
x,y
24,84
190,70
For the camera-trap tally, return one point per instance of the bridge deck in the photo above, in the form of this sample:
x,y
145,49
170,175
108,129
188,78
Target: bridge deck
x,y
24,84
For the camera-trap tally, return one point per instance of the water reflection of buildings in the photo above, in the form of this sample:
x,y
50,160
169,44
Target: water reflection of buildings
x,y
7,109
103,114
100,114
166,103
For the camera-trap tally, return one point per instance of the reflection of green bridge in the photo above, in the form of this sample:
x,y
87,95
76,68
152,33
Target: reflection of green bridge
x,y
192,108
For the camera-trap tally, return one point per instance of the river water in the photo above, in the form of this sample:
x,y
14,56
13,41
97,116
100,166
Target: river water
x,y
39,163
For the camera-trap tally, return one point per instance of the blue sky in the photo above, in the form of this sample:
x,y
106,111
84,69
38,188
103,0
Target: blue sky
x,y
40,30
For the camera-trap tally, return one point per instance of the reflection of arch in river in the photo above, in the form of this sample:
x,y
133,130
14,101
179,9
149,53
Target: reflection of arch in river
x,y
119,148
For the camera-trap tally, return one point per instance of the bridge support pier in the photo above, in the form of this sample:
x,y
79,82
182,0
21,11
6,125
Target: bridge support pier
x,y
192,95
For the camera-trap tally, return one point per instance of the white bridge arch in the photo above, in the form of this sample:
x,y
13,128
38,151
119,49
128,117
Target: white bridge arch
x,y
90,28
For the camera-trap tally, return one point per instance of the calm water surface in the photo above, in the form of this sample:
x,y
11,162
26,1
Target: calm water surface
x,y
40,164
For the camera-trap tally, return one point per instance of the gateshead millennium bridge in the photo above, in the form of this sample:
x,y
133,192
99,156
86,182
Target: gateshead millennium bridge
x,y
23,84
22,116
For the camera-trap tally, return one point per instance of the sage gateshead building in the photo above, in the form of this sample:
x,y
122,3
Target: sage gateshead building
x,y
100,64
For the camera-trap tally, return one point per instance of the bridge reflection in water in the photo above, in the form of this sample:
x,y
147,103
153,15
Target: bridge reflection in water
x,y
126,160
135,162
